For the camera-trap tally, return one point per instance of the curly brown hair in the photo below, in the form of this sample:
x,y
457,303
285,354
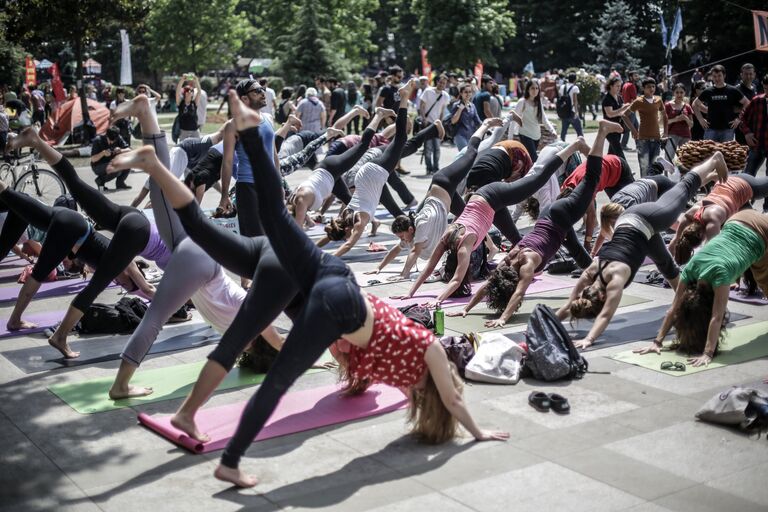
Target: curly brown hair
x,y
501,285
690,238
589,305
337,229
691,318
532,207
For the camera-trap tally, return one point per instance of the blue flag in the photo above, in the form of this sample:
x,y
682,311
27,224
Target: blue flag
x,y
677,27
664,39
529,68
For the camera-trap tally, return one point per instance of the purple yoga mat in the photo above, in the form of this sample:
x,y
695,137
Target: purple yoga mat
x,y
541,283
755,300
50,289
296,412
43,320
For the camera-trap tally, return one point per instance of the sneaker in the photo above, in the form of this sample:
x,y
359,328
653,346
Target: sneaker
x,y
402,172
666,165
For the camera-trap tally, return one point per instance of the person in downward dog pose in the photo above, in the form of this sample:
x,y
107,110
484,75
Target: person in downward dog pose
x,y
508,283
369,182
469,230
365,333
599,289
698,312
704,220
421,232
190,272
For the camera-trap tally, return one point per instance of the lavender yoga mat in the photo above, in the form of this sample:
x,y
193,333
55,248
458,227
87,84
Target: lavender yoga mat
x,y
542,283
50,289
297,412
755,300
43,320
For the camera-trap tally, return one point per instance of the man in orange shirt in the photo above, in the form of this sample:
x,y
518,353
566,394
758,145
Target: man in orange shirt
x,y
647,137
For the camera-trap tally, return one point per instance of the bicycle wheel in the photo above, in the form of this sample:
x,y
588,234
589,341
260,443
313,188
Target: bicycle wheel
x,y
7,174
42,184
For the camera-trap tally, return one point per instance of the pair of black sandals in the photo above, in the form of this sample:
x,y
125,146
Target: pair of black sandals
x,y
544,402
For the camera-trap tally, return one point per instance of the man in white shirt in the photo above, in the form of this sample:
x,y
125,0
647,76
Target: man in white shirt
x,y
271,105
431,108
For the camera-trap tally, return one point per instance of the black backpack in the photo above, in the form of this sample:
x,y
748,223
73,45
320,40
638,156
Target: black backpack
x,y
460,350
280,116
259,357
551,353
418,314
120,318
564,105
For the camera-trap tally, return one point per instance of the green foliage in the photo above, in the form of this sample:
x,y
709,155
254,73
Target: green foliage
x,y
11,59
589,86
208,84
195,35
613,38
458,32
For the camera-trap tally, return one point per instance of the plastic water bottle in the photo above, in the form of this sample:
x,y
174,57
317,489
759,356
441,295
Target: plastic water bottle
x,y
439,320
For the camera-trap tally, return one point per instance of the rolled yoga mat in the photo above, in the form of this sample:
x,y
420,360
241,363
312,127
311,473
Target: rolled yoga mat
x,y
743,343
108,348
297,412
44,320
629,327
91,396
542,283
475,320
49,289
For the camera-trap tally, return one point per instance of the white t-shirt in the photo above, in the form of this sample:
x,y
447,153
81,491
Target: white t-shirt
x,y
202,108
574,90
428,98
320,182
369,182
430,223
219,300
270,106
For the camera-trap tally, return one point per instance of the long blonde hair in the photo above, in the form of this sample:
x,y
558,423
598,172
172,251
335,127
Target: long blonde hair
x,y
431,422
609,212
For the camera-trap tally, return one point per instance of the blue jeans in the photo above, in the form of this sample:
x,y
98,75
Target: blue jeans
x,y
719,135
647,152
576,122
625,135
432,155
461,141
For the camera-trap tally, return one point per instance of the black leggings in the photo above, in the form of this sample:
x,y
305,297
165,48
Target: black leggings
x,y
567,211
130,230
337,165
663,183
411,146
247,205
272,289
63,228
450,177
393,152
334,304
13,228
500,195
661,214
614,145
625,179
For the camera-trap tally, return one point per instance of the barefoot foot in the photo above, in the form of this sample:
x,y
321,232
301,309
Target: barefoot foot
x,y
332,133
131,108
720,166
141,158
187,425
362,111
610,127
582,146
234,476
129,392
19,325
27,138
374,226
63,347
384,112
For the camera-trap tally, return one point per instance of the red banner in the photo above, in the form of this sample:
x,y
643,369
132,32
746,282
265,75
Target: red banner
x,y
31,73
426,68
761,30
58,86
479,72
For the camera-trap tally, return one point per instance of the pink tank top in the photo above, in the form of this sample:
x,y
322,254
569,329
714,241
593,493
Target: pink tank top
x,y
731,195
477,219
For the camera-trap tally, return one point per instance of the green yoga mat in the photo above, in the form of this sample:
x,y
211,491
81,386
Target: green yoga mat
x,y
743,343
91,396
475,320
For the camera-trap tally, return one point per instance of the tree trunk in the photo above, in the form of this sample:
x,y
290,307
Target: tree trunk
x,y
87,130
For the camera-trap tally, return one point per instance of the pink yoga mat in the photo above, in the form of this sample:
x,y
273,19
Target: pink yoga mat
x,y
50,289
43,320
755,300
296,412
541,283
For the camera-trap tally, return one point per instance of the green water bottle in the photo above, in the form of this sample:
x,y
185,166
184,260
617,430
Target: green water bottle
x,y
439,320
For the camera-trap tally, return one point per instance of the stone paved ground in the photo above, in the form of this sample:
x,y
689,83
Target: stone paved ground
x,y
631,442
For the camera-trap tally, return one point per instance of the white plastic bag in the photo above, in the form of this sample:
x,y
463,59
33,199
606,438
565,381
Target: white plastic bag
x,y
498,360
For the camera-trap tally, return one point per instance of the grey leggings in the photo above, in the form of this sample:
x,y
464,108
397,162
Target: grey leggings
x,y
188,270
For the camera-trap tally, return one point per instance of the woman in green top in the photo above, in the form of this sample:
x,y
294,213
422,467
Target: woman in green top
x,y
698,311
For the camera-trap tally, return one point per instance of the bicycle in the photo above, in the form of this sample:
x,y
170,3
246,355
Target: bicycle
x,y
42,184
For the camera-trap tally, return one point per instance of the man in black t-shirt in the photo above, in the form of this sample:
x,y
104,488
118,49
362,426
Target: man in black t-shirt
x,y
723,103
338,101
388,97
749,88
103,149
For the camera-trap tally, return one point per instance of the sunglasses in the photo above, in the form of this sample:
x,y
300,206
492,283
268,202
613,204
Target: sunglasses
x,y
257,90
673,367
